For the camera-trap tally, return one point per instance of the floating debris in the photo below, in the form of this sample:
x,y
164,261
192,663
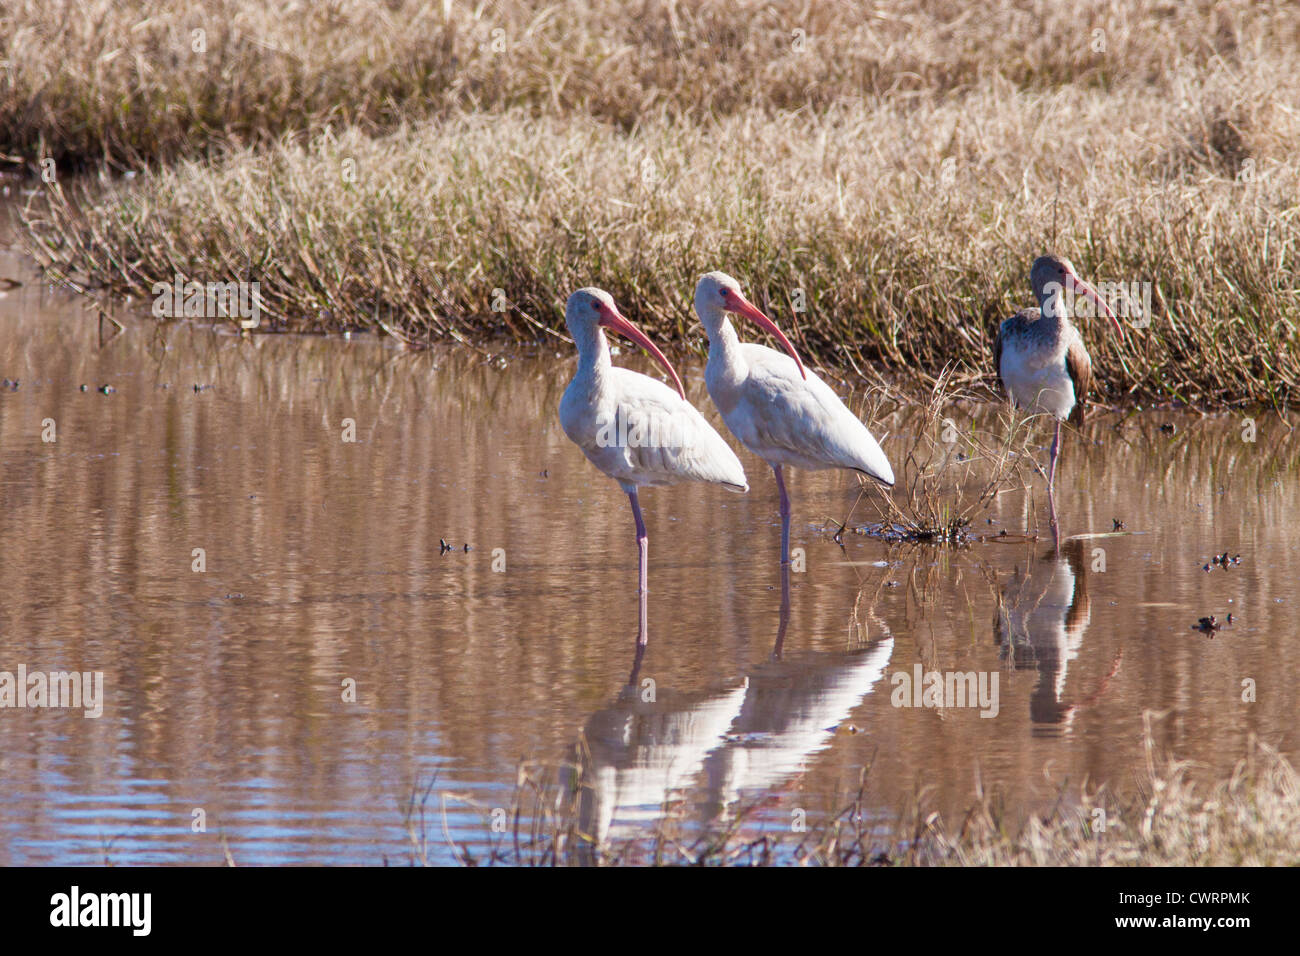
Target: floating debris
x,y
1169,428
1207,624
1225,561
955,532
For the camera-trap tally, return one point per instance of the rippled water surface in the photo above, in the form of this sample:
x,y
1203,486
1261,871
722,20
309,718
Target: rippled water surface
x,y
224,689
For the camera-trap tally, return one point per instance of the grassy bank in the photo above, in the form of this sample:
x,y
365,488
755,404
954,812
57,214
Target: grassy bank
x,y
132,82
903,257
1167,818
895,175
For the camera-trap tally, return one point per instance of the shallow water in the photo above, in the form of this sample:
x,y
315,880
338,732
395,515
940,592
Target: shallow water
x,y
224,689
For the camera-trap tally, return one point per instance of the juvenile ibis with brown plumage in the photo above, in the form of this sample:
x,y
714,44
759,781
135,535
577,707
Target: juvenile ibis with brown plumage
x,y
1039,353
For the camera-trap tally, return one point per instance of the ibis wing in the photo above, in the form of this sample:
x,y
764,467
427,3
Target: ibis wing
x,y
802,422
665,439
1079,365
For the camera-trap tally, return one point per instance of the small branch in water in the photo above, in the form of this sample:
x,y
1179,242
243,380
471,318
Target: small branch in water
x,y
120,328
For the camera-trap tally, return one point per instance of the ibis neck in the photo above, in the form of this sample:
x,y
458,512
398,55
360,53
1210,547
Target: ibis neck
x,y
726,366
593,355
723,340
1053,309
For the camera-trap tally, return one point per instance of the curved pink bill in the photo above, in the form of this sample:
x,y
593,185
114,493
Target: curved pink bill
x,y
1091,294
741,306
611,320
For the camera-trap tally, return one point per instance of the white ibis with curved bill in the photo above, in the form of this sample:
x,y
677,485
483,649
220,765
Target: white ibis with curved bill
x,y
1039,353
781,412
633,428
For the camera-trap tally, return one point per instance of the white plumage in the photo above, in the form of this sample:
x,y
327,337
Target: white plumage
x,y
1036,377
787,420
642,433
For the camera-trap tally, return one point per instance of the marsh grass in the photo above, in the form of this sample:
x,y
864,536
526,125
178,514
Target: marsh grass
x,y
1170,817
881,194
950,472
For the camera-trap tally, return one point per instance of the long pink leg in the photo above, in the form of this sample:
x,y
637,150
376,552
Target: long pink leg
x,y
643,543
1056,451
785,517
1051,473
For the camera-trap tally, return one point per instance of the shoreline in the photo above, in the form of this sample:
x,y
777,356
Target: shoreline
x,y
902,386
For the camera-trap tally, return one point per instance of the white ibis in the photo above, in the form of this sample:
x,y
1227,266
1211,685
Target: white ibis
x,y
633,428
779,411
1039,354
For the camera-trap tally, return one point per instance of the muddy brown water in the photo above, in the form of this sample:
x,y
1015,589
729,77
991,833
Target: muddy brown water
x,y
224,689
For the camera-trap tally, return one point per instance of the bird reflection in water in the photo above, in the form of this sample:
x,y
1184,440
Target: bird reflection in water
x,y
640,758
1042,616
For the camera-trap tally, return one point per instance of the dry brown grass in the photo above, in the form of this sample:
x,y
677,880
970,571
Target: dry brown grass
x,y
94,79
902,171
